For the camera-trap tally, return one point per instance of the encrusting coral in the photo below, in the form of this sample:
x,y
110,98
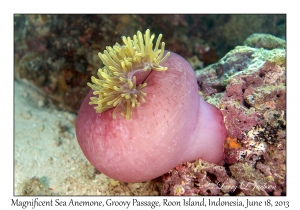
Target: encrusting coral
x,y
147,139
118,85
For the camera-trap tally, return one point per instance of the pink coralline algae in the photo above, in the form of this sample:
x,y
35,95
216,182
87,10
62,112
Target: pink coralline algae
x,y
198,178
249,86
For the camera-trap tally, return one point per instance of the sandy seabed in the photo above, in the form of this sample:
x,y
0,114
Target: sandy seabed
x,y
47,157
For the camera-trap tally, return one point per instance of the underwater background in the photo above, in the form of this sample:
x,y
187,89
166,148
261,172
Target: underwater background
x,y
56,55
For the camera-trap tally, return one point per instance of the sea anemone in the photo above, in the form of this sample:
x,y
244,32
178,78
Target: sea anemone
x,y
146,140
118,85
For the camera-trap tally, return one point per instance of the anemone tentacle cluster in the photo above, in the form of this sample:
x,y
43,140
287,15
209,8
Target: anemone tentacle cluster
x,y
117,85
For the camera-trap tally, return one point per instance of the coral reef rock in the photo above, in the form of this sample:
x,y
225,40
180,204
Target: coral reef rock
x,y
249,86
58,53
